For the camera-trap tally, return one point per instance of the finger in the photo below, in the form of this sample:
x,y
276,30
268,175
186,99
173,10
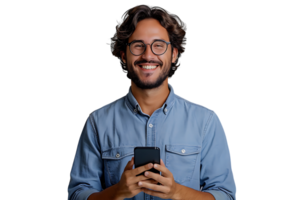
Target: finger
x,y
162,168
157,177
162,162
159,188
136,179
150,181
129,165
154,193
134,186
141,169
143,185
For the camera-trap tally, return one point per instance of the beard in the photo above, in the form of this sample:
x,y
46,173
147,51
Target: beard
x,y
148,85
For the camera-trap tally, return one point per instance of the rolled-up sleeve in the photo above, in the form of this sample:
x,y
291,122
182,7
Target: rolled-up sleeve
x,y
87,166
216,175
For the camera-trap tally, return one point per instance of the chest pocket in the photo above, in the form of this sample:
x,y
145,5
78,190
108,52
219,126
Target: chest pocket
x,y
181,161
115,160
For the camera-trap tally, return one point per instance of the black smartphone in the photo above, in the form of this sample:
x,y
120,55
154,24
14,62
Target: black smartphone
x,y
145,155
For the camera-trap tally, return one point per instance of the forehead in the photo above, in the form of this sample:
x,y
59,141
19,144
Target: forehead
x,y
149,30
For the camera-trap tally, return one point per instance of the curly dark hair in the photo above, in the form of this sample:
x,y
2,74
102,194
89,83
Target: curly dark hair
x,y
172,23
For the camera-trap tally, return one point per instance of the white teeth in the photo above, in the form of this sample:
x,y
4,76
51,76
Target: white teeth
x,y
148,67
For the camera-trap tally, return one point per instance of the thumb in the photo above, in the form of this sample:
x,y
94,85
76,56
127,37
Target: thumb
x,y
162,162
129,164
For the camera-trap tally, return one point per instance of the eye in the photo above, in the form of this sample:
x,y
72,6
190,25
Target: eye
x,y
159,45
138,45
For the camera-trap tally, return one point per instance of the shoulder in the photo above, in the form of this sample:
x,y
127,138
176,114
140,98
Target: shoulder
x,y
106,110
192,107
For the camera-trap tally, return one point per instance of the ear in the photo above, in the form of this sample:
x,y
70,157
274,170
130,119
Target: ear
x,y
123,56
174,54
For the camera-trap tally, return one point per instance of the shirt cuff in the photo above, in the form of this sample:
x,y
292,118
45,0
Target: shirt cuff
x,y
219,195
84,195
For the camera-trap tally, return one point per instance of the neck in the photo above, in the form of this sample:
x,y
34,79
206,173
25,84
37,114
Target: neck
x,y
151,99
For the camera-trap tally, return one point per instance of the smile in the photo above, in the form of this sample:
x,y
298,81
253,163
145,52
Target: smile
x,y
148,66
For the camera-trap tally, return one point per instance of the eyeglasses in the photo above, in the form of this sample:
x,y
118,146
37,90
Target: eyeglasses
x,y
138,47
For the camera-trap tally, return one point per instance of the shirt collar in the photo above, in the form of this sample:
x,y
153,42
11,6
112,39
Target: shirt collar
x,y
134,105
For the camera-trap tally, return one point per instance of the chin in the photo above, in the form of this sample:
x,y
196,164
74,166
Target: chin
x,y
148,84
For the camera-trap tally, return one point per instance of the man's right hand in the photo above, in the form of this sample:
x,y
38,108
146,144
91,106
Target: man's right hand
x,y
128,185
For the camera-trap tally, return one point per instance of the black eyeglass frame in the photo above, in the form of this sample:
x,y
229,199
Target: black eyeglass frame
x,y
128,44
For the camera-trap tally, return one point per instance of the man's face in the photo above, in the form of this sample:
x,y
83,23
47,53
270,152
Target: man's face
x,y
149,30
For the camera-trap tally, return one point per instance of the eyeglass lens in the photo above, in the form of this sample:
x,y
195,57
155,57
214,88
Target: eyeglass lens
x,y
158,47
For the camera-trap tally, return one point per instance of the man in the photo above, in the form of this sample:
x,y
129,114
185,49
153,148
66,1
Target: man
x,y
195,160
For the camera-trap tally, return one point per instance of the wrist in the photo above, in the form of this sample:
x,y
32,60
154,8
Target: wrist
x,y
179,192
117,196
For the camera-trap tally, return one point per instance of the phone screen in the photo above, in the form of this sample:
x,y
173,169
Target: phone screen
x,y
145,155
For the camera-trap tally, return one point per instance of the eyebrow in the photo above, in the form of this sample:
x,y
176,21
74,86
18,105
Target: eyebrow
x,y
144,42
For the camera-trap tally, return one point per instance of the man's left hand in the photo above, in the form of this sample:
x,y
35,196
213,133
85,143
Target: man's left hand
x,y
168,188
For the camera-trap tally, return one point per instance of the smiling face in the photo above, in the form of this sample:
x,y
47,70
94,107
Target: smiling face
x,y
148,70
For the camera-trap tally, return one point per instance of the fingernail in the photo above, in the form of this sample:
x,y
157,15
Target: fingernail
x,y
140,183
146,173
150,165
155,165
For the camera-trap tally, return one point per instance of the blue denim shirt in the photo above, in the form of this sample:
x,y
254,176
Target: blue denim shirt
x,y
191,139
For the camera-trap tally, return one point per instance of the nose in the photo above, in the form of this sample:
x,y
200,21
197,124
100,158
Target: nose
x,y
148,54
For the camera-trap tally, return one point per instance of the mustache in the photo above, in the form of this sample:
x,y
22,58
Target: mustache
x,y
147,61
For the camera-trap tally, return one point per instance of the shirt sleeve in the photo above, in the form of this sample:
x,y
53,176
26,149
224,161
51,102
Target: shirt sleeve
x,y
216,175
87,166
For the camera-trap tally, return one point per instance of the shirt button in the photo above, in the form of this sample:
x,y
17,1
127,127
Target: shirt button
x,y
183,150
165,110
118,155
150,125
135,110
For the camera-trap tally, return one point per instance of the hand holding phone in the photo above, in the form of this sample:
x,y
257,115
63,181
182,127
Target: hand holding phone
x,y
128,186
